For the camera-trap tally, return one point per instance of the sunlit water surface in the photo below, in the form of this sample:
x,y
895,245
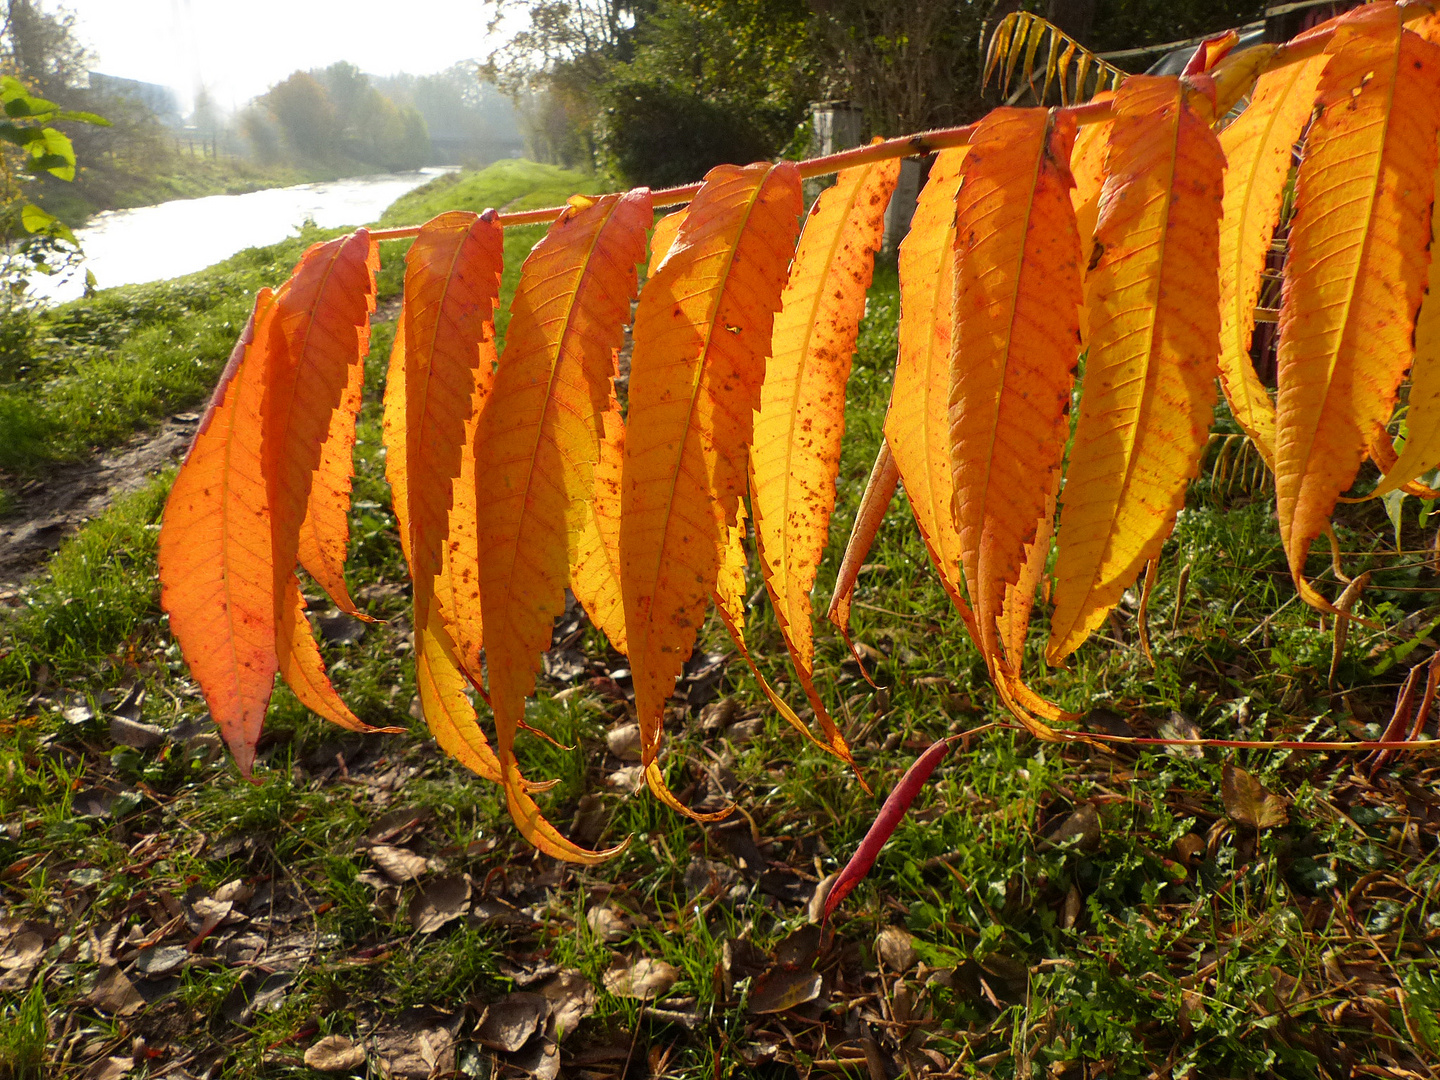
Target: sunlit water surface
x,y
148,243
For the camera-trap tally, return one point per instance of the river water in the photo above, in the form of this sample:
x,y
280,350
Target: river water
x,y
148,243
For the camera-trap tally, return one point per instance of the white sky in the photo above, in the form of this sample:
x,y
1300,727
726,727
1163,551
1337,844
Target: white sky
x,y
238,48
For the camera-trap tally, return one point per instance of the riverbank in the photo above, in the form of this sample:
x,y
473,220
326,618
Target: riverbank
x,y
85,376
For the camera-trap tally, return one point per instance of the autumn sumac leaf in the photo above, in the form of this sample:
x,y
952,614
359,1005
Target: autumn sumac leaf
x,y
662,239
1259,149
876,499
318,336
884,824
1149,384
595,561
1014,622
440,375
1357,266
536,448
215,571
917,426
1015,342
801,419
702,333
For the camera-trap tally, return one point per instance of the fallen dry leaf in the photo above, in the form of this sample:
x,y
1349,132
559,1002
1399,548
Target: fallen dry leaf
x,y
607,924
22,952
896,948
624,742
160,960
400,864
1247,801
572,998
1179,726
335,1053
110,1068
420,1043
442,901
645,979
779,990
509,1023
115,994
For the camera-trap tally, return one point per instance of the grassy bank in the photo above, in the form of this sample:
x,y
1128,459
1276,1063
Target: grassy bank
x,y
1045,911
179,175
99,369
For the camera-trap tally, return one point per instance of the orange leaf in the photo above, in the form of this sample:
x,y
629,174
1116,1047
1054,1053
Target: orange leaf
x,y
441,371
1014,623
801,419
663,239
1016,341
1087,166
917,426
730,589
320,332
702,332
1259,146
1357,266
216,579
879,491
303,668
595,567
1149,386
535,453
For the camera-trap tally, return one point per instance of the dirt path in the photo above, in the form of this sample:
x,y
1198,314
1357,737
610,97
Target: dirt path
x,y
52,507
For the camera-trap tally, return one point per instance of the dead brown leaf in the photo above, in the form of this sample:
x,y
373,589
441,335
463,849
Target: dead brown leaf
x,y
645,979
442,901
509,1023
400,864
1248,803
335,1053
114,993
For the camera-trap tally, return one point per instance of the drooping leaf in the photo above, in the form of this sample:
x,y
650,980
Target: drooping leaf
x,y
885,823
216,579
441,372
1149,384
917,426
730,593
1259,149
801,419
319,333
595,563
1016,341
1014,624
1421,451
702,332
535,452
1357,266
662,239
876,499
303,668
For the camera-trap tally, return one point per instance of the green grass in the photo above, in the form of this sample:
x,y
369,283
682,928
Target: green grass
x,y
1287,952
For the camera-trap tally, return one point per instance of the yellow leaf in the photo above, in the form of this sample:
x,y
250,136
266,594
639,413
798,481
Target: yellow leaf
x,y
702,332
917,426
1259,148
440,374
1016,341
801,419
535,452
1149,382
1357,266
